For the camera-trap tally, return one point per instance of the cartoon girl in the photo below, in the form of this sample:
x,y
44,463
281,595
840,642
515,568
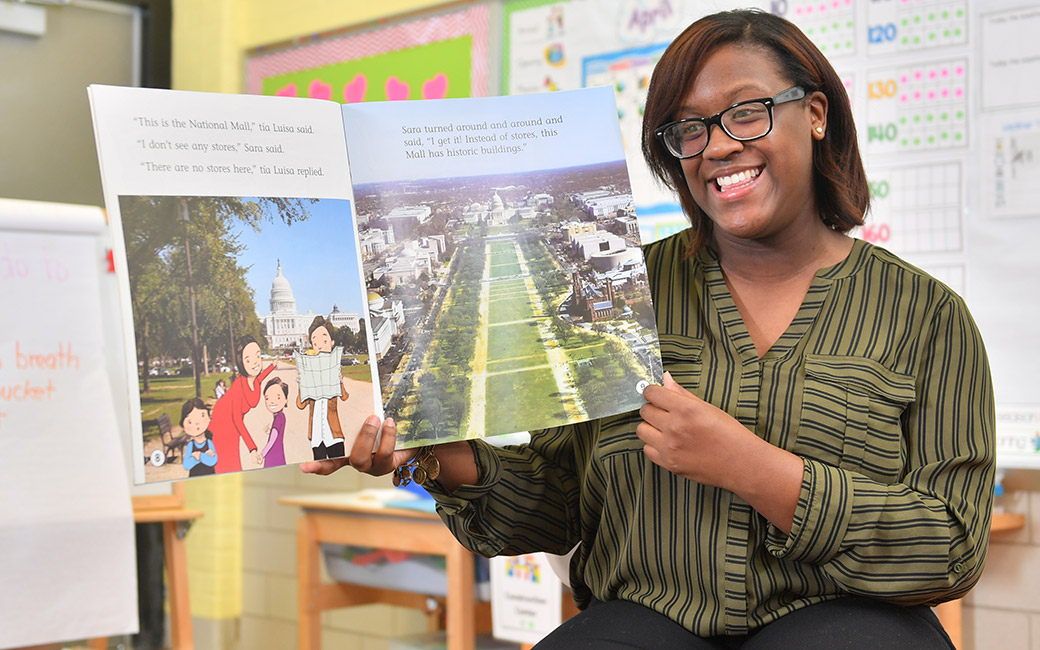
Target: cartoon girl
x,y
228,424
276,396
199,455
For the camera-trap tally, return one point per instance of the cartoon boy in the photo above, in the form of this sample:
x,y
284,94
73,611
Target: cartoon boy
x,y
276,396
323,427
199,455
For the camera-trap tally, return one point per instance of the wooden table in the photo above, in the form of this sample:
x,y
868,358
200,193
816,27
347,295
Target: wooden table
x,y
348,519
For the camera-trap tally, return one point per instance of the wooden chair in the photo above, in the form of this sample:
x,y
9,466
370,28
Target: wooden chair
x,y
171,444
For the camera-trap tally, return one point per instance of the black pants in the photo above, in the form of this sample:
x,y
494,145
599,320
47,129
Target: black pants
x,y
321,452
847,623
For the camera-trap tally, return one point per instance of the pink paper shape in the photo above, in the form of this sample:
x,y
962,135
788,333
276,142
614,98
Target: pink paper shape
x,y
286,91
319,90
355,89
435,88
396,89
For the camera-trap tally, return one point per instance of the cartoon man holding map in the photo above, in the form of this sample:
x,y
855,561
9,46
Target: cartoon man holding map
x,y
320,384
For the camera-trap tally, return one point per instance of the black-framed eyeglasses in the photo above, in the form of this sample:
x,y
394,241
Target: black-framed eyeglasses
x,y
743,121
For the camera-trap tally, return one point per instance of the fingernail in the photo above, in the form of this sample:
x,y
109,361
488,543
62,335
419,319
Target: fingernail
x,y
372,420
390,423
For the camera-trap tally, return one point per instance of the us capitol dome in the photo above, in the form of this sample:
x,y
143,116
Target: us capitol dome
x,y
284,327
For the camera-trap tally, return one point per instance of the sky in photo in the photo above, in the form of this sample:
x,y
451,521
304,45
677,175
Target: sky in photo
x,y
318,258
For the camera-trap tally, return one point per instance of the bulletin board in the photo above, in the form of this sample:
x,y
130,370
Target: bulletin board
x,y
429,57
947,115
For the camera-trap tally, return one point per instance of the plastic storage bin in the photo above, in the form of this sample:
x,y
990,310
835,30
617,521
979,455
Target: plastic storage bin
x,y
414,572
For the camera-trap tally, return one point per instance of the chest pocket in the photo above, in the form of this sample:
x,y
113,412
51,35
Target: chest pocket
x,y
681,356
851,416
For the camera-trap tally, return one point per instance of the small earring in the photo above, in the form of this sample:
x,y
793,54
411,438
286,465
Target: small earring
x,y
819,130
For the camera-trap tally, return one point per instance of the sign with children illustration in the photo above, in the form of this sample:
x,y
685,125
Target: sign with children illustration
x,y
276,383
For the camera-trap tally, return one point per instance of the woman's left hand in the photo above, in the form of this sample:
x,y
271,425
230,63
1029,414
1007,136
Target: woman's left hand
x,y
691,438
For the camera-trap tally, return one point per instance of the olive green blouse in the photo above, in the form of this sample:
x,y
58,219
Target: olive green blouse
x,y
880,384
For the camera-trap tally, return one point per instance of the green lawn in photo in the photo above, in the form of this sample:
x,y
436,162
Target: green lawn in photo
x,y
508,229
507,287
515,340
518,363
168,394
505,270
530,394
586,351
510,308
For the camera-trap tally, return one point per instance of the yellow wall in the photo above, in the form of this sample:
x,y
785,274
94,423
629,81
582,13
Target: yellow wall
x,y
210,37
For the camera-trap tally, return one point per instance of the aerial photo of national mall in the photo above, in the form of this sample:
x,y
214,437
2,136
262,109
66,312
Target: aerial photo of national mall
x,y
489,292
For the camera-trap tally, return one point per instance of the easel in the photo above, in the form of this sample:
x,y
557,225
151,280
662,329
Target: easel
x,y
169,510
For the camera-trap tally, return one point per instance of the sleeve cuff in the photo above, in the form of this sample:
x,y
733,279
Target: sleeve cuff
x,y
821,517
489,471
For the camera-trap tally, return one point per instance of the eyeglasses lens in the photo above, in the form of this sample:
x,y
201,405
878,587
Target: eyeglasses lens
x,y
744,122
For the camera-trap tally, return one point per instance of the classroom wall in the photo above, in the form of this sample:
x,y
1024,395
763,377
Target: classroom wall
x,y
210,37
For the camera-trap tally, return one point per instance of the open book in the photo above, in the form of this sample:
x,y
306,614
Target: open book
x,y
473,270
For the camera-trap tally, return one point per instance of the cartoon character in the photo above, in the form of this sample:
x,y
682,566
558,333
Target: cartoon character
x,y
228,424
200,457
324,431
276,396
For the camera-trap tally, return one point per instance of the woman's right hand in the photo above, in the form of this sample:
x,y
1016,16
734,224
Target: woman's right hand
x,y
365,456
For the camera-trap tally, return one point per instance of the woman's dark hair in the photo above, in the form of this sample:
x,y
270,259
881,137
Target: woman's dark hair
x,y
191,405
239,350
839,181
277,381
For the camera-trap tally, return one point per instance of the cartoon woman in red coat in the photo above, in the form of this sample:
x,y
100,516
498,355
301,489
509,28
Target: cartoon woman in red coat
x,y
227,424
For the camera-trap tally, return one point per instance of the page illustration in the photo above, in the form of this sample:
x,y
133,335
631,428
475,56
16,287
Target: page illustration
x,y
474,270
507,290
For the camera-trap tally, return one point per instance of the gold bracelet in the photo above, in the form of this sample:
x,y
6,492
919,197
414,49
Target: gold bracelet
x,y
422,467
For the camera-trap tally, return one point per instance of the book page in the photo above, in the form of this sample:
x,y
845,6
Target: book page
x,y
507,289
235,244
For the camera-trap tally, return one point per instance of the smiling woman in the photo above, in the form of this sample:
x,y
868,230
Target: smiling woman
x,y
819,461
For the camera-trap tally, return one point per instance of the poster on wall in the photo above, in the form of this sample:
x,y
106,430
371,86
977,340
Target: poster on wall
x,y
435,57
554,45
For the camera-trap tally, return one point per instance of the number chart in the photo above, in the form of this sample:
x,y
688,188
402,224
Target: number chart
x,y
830,24
915,209
628,71
917,108
907,25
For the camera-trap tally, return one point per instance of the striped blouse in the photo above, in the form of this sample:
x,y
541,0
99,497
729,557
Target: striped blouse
x,y
880,384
